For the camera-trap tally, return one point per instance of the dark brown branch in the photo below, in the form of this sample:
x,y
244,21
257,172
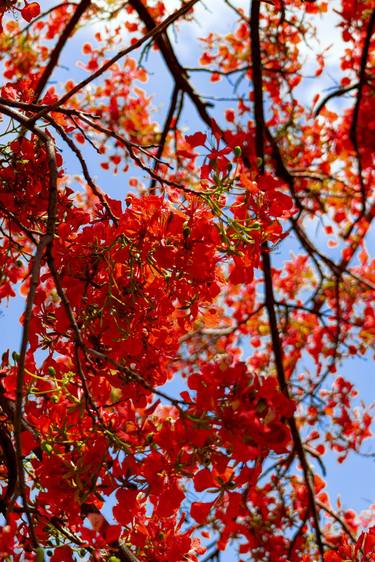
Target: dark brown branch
x,y
55,55
222,330
165,131
177,71
257,77
86,174
121,550
312,251
338,519
132,376
45,241
237,11
43,15
131,147
335,94
298,533
37,107
362,77
256,62
30,233
278,356
155,32
78,343
354,125
10,461
213,556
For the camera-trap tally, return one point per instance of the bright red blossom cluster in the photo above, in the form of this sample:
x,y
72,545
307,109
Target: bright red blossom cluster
x,y
179,379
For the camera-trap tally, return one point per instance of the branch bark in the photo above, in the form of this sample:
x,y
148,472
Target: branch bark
x,y
256,63
45,241
55,55
175,68
153,33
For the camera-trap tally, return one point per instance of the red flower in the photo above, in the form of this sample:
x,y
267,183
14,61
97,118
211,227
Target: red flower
x,y
30,11
198,139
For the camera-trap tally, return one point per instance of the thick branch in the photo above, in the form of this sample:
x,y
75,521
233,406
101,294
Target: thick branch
x,y
256,63
178,72
269,293
10,461
362,76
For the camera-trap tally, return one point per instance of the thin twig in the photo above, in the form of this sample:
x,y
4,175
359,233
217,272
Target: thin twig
x,y
86,174
337,518
334,94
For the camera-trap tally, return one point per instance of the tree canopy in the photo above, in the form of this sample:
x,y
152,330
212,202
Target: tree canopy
x,y
196,271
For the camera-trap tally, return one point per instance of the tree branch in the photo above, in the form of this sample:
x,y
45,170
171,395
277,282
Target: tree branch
x,y
353,128
155,32
335,94
267,270
45,241
175,68
165,131
54,58
86,174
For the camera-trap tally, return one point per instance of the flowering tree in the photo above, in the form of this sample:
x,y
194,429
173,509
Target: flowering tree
x,y
173,279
